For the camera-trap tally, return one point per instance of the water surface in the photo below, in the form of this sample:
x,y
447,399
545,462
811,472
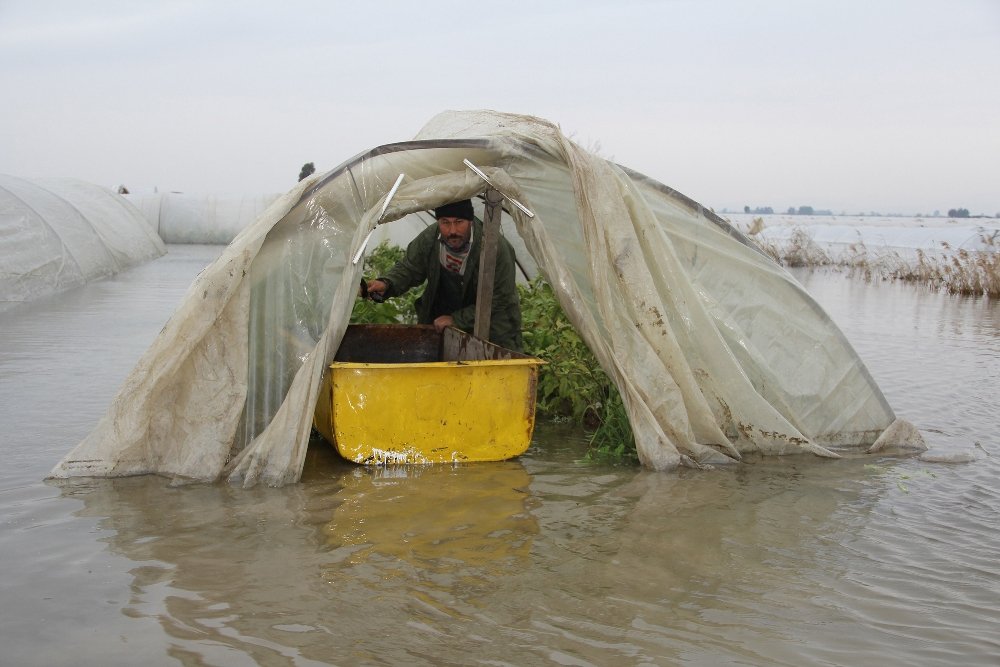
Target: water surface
x,y
541,560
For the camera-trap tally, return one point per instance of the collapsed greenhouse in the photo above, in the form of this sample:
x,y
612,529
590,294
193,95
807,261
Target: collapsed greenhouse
x,y
716,350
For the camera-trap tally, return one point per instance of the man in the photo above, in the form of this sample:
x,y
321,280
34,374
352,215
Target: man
x,y
447,257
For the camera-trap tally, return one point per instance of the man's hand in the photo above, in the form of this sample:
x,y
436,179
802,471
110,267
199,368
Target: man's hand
x,y
377,287
442,322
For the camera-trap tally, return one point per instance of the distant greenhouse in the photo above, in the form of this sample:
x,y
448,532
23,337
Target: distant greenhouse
x,y
194,218
58,233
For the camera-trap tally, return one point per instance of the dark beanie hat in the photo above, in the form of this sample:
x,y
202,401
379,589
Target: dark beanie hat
x,y
458,209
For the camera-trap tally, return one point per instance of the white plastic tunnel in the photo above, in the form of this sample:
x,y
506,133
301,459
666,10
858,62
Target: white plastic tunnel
x,y
59,233
717,351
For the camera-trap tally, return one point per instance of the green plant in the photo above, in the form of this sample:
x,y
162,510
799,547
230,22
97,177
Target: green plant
x,y
613,440
572,385
398,310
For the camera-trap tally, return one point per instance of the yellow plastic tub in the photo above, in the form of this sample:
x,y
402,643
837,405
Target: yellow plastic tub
x,y
405,394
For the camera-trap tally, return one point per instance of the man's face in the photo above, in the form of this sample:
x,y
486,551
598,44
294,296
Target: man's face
x,y
455,231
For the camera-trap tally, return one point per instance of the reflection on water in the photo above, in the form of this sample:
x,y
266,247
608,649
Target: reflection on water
x,y
428,519
542,560
787,561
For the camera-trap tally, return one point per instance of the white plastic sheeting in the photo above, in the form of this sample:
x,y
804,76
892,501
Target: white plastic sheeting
x,y
58,233
204,219
716,350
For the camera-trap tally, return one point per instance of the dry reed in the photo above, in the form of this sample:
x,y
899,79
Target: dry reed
x,y
968,272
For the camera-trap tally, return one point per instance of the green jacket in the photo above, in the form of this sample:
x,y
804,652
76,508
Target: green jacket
x,y
422,263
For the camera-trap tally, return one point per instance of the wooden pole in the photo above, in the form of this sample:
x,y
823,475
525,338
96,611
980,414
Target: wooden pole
x,y
487,264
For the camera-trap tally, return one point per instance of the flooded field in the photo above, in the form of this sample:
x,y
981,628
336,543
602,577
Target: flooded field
x,y
541,560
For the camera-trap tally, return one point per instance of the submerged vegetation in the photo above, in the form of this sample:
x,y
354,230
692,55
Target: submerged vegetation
x,y
965,272
971,273
571,386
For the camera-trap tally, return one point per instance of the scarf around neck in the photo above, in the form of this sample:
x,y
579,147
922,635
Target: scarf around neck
x,y
455,261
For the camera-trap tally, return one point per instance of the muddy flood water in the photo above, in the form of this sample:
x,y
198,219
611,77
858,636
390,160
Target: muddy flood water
x,y
544,560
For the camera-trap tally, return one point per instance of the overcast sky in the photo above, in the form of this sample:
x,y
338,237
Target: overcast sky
x,y
848,105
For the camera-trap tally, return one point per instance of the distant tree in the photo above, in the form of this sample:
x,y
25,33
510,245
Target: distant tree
x,y
746,209
805,210
307,169
791,210
958,213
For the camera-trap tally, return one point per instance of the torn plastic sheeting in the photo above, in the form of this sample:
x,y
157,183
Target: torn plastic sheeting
x,y
712,345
